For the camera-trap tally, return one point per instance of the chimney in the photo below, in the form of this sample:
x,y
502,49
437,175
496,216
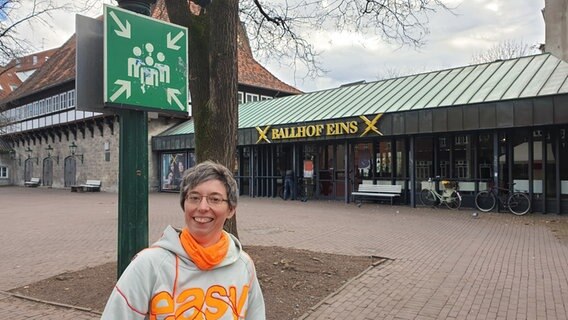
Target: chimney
x,y
556,28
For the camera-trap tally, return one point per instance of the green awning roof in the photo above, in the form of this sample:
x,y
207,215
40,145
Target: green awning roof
x,y
525,77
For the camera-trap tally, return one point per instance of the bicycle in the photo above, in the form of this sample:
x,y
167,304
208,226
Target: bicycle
x,y
450,195
516,201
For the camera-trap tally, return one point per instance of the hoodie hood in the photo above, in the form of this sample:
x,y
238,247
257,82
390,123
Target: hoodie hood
x,y
170,241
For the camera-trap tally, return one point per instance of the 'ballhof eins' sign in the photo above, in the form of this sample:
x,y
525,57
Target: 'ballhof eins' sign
x,y
270,134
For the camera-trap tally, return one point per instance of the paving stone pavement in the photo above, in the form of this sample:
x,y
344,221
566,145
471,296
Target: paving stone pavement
x,y
442,264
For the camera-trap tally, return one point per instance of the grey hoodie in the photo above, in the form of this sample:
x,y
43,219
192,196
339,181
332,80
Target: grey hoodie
x,y
163,282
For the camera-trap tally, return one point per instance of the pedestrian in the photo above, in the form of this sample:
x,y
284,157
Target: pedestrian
x,y
199,272
289,184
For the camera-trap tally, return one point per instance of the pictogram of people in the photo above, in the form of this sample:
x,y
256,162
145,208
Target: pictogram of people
x,y
146,69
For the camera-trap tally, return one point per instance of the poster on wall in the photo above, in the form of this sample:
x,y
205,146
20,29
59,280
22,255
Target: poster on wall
x,y
173,167
308,169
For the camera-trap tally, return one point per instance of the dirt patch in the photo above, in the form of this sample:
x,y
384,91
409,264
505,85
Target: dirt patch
x,y
292,281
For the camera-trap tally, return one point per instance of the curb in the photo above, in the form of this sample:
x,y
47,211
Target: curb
x,y
380,261
56,304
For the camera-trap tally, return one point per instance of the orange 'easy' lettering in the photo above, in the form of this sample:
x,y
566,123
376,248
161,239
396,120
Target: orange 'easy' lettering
x,y
161,303
216,306
197,299
233,297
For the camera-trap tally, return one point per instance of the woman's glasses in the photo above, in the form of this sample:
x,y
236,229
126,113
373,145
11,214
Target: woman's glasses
x,y
212,199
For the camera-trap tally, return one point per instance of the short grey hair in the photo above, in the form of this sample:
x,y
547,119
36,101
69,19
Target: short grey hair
x,y
205,171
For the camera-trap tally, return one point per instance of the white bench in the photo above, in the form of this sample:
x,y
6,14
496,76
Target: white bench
x,y
370,191
34,182
89,185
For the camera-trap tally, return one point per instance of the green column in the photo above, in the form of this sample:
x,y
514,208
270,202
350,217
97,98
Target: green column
x,y
132,186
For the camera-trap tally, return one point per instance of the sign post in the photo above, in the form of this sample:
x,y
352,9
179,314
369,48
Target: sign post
x,y
145,69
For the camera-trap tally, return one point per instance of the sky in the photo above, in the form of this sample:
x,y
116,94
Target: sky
x,y
474,26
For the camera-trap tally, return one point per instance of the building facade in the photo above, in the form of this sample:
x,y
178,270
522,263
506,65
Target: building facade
x,y
502,123
44,135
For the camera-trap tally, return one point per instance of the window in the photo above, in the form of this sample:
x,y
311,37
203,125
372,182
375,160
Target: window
x,y
424,157
463,157
3,172
265,98
29,110
461,140
71,98
250,97
462,168
34,60
423,169
241,97
106,147
64,100
383,156
61,101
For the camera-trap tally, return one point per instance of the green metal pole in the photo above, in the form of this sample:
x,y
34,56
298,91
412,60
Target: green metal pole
x,y
132,172
132,186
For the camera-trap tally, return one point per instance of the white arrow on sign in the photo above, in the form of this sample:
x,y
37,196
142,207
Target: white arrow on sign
x,y
124,87
124,30
172,42
171,93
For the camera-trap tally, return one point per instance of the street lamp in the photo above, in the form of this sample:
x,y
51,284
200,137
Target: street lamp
x,y
73,149
49,149
29,151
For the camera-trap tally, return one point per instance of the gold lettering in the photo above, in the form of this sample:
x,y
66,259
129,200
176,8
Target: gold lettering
x,y
354,127
276,134
330,129
311,131
301,132
319,129
316,130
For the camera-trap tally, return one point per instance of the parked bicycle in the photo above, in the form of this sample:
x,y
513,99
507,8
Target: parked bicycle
x,y
516,201
450,195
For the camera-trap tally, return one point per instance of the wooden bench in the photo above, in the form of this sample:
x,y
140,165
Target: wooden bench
x,y
371,191
89,185
34,182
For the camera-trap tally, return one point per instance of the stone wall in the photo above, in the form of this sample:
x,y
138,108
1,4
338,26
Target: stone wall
x,y
100,157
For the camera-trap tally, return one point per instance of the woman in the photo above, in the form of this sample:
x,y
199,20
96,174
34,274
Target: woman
x,y
200,272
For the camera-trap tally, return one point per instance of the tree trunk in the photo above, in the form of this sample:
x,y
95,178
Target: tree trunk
x,y
212,80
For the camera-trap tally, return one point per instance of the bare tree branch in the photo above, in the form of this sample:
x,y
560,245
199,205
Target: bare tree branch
x,y
17,14
504,50
279,30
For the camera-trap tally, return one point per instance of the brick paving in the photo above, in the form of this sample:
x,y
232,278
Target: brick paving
x,y
442,264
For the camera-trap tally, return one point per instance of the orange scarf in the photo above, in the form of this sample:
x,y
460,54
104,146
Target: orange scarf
x,y
205,258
